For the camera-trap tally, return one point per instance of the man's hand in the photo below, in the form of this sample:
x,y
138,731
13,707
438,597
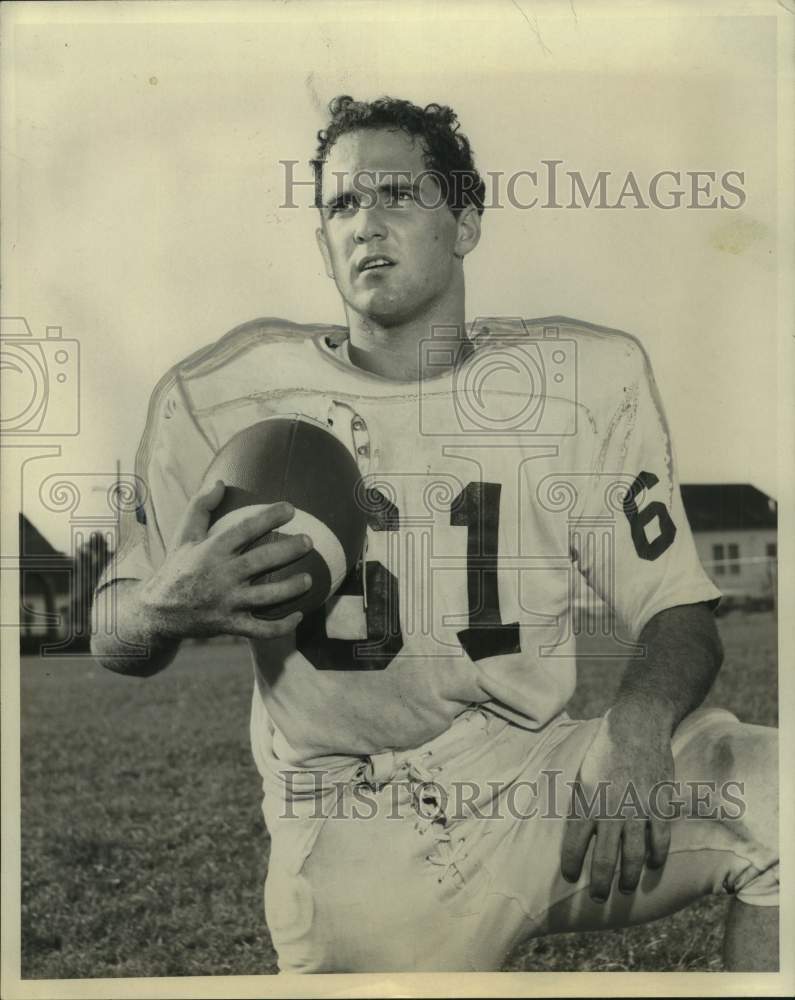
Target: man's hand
x,y
204,586
622,773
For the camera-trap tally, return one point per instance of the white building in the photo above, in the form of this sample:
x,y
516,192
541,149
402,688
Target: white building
x,y
735,527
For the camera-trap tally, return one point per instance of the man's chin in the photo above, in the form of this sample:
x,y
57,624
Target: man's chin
x,y
381,310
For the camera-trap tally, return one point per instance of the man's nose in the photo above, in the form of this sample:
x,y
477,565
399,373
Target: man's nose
x,y
370,224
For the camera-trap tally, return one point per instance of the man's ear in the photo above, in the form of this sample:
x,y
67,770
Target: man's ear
x,y
324,250
468,235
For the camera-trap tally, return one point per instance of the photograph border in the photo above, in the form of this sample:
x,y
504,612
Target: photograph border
x,y
501,984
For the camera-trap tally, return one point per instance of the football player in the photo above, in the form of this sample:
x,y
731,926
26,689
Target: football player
x,y
430,802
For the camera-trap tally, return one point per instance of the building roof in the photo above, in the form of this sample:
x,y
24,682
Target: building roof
x,y
728,507
32,542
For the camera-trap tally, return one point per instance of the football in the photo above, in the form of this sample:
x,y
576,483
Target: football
x,y
296,459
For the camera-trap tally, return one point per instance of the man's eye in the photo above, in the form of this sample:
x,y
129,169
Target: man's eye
x,y
342,207
403,197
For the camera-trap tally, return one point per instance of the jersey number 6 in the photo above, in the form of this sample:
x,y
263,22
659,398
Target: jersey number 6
x,y
639,519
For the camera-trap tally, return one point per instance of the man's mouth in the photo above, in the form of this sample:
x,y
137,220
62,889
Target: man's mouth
x,y
373,262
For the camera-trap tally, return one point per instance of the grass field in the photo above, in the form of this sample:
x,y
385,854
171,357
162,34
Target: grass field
x,y
143,846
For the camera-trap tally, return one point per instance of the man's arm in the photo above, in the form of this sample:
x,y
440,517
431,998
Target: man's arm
x,y
683,655
632,749
129,625
203,588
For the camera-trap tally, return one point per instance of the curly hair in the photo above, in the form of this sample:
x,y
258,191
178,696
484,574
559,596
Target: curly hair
x,y
446,151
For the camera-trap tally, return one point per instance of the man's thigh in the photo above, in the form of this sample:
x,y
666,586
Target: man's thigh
x,y
410,886
442,887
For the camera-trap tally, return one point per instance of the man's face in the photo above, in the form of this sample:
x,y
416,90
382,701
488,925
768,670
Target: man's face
x,y
388,239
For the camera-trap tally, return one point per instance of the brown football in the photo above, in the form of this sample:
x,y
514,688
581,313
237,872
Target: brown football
x,y
296,459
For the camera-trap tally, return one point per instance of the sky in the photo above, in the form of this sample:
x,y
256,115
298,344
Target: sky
x,y
144,191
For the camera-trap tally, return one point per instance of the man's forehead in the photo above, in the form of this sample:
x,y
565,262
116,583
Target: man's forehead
x,y
381,150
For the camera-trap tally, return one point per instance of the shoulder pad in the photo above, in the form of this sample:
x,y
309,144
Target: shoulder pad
x,y
256,337
608,361
613,368
226,369
595,341
591,338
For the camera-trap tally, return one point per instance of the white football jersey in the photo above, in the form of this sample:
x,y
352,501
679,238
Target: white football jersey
x,y
492,490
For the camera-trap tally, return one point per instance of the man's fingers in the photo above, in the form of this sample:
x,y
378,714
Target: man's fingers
x,y
196,519
659,841
258,629
633,854
248,524
575,846
264,595
605,854
270,556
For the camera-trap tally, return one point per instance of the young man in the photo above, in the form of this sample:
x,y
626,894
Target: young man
x,y
417,760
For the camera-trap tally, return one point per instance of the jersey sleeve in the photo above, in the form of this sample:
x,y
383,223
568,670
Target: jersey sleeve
x,y
634,545
170,463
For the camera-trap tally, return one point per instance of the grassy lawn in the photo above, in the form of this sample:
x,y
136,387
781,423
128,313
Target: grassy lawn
x,y
143,846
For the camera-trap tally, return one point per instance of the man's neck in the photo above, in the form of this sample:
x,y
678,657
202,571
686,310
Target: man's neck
x,y
416,350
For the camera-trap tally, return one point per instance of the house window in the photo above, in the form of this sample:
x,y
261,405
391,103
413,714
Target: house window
x,y
771,550
726,559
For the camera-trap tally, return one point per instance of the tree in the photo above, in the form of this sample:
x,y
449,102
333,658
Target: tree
x,y
89,562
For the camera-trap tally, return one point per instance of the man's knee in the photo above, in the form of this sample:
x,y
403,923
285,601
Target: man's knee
x,y
713,745
743,760
728,773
